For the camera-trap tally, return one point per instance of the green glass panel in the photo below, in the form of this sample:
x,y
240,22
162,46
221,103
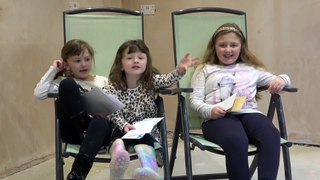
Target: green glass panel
x,y
192,34
105,33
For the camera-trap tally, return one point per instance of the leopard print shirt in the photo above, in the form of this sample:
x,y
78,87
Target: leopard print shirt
x,y
139,103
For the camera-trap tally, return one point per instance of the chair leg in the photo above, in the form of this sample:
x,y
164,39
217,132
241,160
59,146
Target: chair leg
x,y
175,141
59,166
163,127
178,129
165,152
286,162
276,104
59,162
186,138
253,165
58,148
283,134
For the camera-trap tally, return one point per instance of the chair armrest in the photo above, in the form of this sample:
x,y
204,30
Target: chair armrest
x,y
290,89
53,95
285,89
175,91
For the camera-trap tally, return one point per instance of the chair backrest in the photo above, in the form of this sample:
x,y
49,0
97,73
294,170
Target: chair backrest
x,y
105,29
192,29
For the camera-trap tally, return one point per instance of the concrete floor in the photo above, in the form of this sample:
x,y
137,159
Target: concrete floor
x,y
305,162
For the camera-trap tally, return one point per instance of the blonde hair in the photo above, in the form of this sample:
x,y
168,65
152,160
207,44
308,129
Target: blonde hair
x,y
210,56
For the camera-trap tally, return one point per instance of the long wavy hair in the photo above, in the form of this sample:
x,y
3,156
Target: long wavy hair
x,y
117,76
210,56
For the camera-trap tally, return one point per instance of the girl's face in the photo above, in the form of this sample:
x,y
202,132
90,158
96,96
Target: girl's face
x,y
228,48
80,65
134,64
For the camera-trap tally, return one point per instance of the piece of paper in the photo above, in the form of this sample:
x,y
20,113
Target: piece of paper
x,y
233,103
102,103
142,127
227,103
238,103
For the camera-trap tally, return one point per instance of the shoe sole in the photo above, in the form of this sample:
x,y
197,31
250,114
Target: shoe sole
x,y
146,174
119,164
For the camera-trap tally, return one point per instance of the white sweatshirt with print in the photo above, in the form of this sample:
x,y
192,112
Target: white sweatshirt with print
x,y
214,83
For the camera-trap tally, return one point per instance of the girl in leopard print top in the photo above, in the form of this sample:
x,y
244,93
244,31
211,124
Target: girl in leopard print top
x,y
135,82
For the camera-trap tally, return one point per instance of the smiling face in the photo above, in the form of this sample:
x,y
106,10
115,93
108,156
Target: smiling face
x,y
228,48
80,65
134,64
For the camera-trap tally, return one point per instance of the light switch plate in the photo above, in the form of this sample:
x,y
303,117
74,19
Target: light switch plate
x,y
148,9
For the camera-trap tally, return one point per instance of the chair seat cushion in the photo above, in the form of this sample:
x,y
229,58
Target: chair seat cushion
x,y
203,144
103,155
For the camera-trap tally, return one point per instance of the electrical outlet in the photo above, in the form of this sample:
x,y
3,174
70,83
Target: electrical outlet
x,y
74,5
148,9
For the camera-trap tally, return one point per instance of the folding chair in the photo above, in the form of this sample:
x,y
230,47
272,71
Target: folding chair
x,y
105,29
188,124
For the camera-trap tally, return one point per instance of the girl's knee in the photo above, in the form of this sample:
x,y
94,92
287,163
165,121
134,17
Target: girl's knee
x,y
67,84
236,144
100,125
69,90
272,134
275,136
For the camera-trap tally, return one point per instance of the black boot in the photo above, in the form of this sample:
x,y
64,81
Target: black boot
x,y
80,168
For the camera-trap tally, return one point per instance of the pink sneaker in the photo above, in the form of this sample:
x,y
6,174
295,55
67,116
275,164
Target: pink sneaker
x,y
119,164
146,173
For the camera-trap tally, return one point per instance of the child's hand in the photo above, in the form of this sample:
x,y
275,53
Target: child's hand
x,y
218,112
128,127
58,64
185,63
276,85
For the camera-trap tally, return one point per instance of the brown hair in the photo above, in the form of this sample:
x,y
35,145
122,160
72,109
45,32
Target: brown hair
x,y
74,47
117,76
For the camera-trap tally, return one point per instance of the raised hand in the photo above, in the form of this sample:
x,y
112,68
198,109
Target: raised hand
x,y
58,64
185,63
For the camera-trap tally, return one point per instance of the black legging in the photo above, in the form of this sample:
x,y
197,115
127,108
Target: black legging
x,y
234,132
75,125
